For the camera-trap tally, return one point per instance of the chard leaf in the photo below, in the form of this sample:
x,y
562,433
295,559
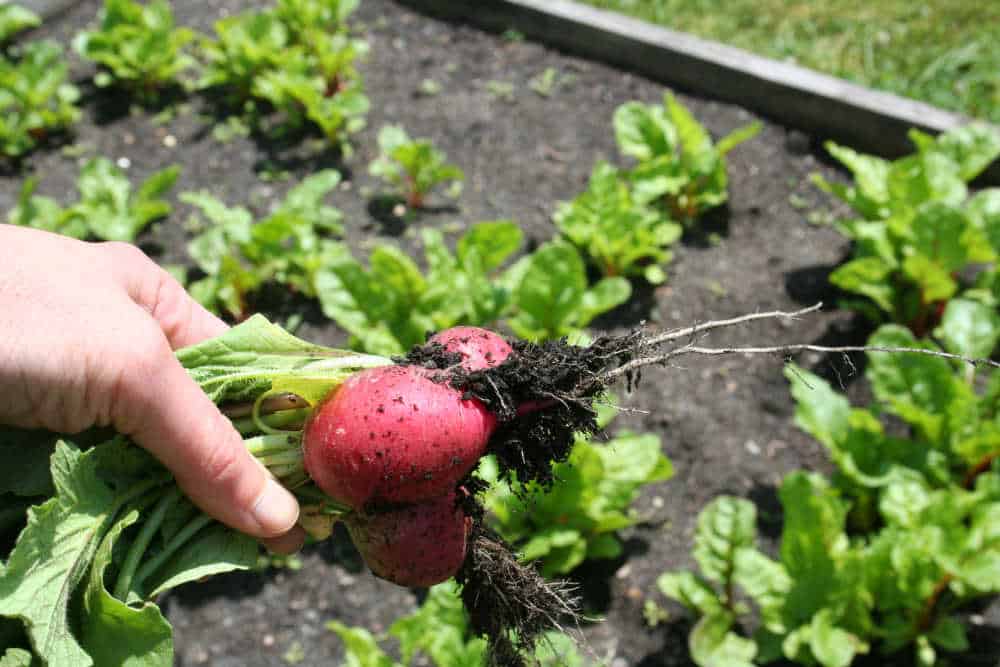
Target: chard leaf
x,y
972,148
725,526
644,131
949,634
832,646
16,657
14,19
868,276
714,644
691,591
361,648
819,410
969,328
871,180
439,630
919,388
983,210
493,242
766,582
114,633
812,543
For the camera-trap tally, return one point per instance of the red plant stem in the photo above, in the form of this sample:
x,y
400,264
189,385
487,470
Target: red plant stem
x,y
982,466
926,617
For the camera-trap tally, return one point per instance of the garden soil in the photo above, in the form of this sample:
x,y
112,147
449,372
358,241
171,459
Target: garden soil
x,y
725,422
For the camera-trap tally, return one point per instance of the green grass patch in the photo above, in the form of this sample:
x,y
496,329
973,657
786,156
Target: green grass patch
x,y
945,52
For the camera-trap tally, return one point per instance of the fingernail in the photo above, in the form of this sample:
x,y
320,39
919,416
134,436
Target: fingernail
x,y
276,510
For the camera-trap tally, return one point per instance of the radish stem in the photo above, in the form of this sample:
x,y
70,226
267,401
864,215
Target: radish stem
x,y
142,541
176,542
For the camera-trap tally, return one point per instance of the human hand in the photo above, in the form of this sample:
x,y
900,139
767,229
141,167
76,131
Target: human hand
x,y
87,333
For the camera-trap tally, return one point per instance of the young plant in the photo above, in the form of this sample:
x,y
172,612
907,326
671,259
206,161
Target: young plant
x,y
550,295
620,236
298,59
679,169
36,102
107,209
413,166
288,246
139,47
918,232
391,306
15,19
439,632
577,517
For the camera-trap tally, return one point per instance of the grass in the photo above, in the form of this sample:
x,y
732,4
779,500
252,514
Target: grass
x,y
945,52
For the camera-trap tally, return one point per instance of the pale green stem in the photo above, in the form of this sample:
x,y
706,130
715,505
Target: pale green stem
x,y
142,541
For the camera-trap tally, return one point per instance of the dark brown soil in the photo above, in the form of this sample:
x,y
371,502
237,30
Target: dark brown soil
x,y
726,423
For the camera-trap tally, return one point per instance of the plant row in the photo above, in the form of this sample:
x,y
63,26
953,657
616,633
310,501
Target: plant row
x,y
886,553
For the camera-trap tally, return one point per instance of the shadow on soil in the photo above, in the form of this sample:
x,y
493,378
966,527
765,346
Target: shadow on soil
x,y
594,577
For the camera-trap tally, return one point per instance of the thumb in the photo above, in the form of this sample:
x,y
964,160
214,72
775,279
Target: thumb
x,y
181,427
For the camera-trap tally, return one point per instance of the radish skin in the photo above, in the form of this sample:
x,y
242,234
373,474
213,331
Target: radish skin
x,y
417,545
480,348
394,435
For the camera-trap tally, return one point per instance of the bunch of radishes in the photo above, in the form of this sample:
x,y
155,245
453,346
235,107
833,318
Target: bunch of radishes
x,y
393,444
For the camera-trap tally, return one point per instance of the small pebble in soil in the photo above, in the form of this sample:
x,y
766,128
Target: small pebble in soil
x,y
752,448
399,210
170,141
124,162
267,641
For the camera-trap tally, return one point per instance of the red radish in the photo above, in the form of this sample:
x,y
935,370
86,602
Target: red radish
x,y
480,348
394,435
417,545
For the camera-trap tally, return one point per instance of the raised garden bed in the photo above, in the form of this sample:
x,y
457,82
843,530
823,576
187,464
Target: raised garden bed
x,y
726,423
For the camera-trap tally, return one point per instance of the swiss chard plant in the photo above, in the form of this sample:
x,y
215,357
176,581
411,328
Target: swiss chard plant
x,y
15,19
413,166
392,305
298,59
289,246
882,556
107,208
139,48
919,233
36,101
551,297
439,632
620,236
679,168
577,518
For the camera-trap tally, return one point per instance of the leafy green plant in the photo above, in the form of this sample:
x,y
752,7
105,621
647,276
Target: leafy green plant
x,y
107,209
679,167
288,246
551,297
620,236
881,556
299,59
577,518
413,166
139,47
919,230
36,102
392,306
439,631
15,19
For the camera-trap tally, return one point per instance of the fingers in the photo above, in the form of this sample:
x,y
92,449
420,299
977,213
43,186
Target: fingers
x,y
166,412
183,320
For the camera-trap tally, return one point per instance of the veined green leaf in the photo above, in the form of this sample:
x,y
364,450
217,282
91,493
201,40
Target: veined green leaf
x,y
725,526
714,644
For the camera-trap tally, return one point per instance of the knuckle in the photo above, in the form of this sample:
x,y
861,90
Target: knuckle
x,y
170,306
